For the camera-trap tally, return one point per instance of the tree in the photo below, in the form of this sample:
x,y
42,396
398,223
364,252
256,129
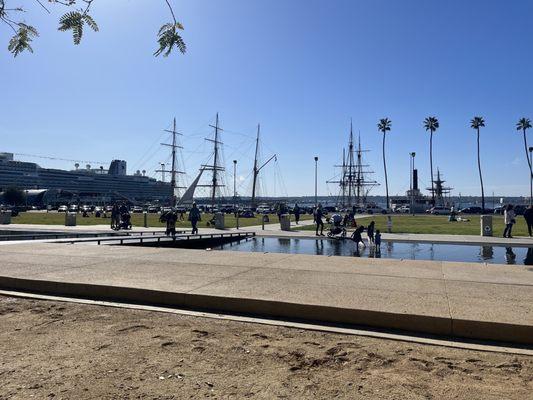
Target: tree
x,y
384,125
14,196
477,123
431,124
76,20
523,125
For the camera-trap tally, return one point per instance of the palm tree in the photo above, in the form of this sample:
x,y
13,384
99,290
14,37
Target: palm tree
x,y
522,125
431,124
476,123
384,125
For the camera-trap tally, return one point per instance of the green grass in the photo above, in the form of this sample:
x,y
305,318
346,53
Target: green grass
x,y
436,224
55,218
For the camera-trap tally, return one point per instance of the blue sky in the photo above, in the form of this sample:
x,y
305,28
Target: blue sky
x,y
300,68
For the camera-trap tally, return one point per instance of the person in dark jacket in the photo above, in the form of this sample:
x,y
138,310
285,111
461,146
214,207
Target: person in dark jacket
x,y
357,237
318,220
528,216
171,218
296,213
194,217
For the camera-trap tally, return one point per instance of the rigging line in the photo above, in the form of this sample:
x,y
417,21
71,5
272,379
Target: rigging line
x,y
141,160
60,159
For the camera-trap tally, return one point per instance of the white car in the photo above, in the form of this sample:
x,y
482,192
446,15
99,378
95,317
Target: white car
x,y
404,209
62,209
438,210
374,210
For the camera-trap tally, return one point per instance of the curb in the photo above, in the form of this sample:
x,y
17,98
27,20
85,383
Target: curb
x,y
479,330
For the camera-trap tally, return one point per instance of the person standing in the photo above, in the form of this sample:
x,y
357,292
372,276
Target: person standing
x,y
171,217
370,232
114,217
318,220
194,217
528,216
296,213
377,241
508,220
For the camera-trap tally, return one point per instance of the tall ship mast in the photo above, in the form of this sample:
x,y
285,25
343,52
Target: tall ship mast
x,y
216,168
173,172
354,180
257,168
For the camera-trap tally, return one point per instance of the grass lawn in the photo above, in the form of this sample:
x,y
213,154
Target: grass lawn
x,y
55,218
436,224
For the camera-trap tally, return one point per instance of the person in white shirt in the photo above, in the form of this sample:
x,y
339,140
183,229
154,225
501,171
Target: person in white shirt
x,y
508,220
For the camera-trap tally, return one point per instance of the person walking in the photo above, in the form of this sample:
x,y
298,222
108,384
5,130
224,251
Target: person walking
x,y
370,232
171,217
528,216
296,213
318,220
194,217
508,220
115,217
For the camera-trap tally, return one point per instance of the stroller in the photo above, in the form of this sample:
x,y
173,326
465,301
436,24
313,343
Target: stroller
x,y
125,221
336,228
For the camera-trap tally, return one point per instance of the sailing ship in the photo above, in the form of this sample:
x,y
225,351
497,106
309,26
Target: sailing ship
x,y
355,182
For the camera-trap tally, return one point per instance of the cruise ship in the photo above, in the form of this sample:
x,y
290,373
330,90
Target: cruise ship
x,y
83,184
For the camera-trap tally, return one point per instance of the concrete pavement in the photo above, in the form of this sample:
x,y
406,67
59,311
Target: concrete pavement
x,y
468,300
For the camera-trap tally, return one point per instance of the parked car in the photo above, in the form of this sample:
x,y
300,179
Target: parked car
x,y
499,210
404,209
262,210
62,209
73,208
471,210
247,214
374,210
439,210
137,209
153,209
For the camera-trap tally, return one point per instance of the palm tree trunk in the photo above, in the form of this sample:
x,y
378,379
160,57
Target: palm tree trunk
x,y
385,168
480,176
529,163
431,166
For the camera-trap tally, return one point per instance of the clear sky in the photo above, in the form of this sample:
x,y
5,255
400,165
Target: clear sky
x,y
302,68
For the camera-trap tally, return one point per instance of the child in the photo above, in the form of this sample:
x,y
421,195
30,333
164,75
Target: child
x,y
370,232
377,241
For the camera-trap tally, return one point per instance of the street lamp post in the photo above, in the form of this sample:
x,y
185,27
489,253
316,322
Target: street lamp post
x,y
234,182
316,182
530,177
235,192
413,154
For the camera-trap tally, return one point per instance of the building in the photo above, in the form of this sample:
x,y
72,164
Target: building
x,y
84,185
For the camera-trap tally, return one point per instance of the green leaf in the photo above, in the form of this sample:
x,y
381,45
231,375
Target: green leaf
x,y
168,38
22,39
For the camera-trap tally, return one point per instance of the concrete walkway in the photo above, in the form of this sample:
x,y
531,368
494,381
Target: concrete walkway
x,y
469,300
273,230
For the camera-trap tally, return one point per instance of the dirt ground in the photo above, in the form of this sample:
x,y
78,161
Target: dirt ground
x,y
54,350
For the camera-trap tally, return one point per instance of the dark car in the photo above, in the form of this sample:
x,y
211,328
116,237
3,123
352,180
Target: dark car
x,y
470,210
247,214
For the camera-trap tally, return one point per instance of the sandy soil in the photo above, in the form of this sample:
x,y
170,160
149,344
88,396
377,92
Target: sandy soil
x,y
53,350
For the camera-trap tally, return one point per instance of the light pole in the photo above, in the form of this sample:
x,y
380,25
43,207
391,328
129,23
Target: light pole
x,y
530,177
234,183
316,182
412,154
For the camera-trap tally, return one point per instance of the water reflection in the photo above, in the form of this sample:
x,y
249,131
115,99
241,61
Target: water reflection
x,y
487,253
409,251
510,256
